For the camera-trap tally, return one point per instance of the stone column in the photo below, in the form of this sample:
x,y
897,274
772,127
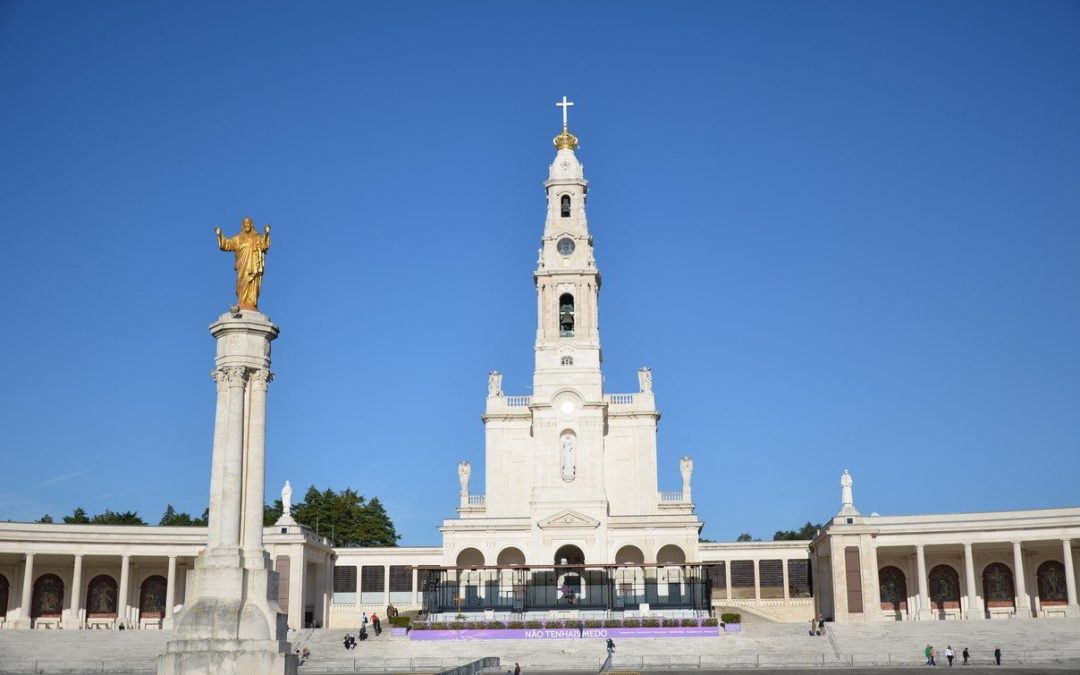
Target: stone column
x,y
974,611
122,591
232,476
1023,603
727,577
297,592
787,590
255,477
217,464
924,595
1072,609
170,593
416,585
27,587
757,580
386,584
75,591
232,624
871,592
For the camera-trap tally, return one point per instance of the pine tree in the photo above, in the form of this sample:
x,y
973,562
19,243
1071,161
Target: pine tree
x,y
44,519
77,517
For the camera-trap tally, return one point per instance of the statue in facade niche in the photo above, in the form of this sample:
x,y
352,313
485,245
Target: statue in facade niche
x,y
644,378
286,499
686,466
569,468
250,249
464,470
495,384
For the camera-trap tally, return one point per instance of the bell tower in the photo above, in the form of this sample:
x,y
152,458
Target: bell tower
x,y
567,281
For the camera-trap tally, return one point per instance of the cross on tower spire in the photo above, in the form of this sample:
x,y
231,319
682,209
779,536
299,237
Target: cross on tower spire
x,y
565,105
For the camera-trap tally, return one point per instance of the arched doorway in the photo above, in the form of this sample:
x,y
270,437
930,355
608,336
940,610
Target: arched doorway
x,y
893,585
101,597
4,590
48,597
630,579
569,555
152,598
669,576
998,587
629,555
1051,580
511,556
568,583
670,555
468,578
944,589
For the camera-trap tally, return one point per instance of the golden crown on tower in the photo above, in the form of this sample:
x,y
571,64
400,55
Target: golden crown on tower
x,y
565,140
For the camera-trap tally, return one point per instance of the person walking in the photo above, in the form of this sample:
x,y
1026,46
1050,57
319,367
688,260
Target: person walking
x,y
363,619
997,655
517,669
821,625
933,655
610,646
927,652
950,654
966,655
375,624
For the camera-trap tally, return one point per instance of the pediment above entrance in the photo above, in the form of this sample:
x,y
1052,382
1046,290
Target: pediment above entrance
x,y
568,519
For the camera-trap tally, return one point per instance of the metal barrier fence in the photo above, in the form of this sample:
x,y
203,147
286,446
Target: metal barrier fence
x,y
22,666
432,664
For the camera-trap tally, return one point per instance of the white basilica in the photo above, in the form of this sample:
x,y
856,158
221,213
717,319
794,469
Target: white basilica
x,y
570,521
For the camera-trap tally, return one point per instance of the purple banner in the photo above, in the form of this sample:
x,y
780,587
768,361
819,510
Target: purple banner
x,y
562,633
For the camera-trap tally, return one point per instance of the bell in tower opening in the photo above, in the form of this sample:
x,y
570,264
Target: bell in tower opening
x,y
565,206
566,315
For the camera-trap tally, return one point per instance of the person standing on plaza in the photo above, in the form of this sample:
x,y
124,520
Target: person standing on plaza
x,y
517,669
997,655
933,655
966,655
950,654
927,653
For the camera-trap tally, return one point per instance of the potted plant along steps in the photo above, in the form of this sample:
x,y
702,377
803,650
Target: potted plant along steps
x,y
731,621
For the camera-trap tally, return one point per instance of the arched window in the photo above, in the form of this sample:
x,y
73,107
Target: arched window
x,y
893,587
48,598
565,206
1051,580
152,597
101,597
566,315
998,589
944,588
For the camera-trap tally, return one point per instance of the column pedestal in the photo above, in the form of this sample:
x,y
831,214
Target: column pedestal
x,y
231,624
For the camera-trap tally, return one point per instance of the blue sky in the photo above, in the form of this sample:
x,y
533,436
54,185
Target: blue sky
x,y
843,235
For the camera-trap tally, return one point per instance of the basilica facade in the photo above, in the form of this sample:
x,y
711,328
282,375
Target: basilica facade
x,y
570,519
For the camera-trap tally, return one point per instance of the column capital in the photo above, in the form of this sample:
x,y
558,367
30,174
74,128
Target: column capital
x,y
235,376
261,377
29,556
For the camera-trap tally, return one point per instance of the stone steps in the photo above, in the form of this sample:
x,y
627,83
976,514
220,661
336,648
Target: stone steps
x,y
759,644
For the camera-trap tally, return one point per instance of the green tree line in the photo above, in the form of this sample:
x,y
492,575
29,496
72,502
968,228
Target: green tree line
x,y
347,518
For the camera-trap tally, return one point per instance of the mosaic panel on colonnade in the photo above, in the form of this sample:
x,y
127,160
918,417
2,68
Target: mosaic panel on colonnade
x,y
152,597
1052,585
944,587
101,597
998,586
48,598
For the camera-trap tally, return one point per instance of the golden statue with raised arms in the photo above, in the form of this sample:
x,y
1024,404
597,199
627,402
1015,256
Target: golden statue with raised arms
x,y
250,248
